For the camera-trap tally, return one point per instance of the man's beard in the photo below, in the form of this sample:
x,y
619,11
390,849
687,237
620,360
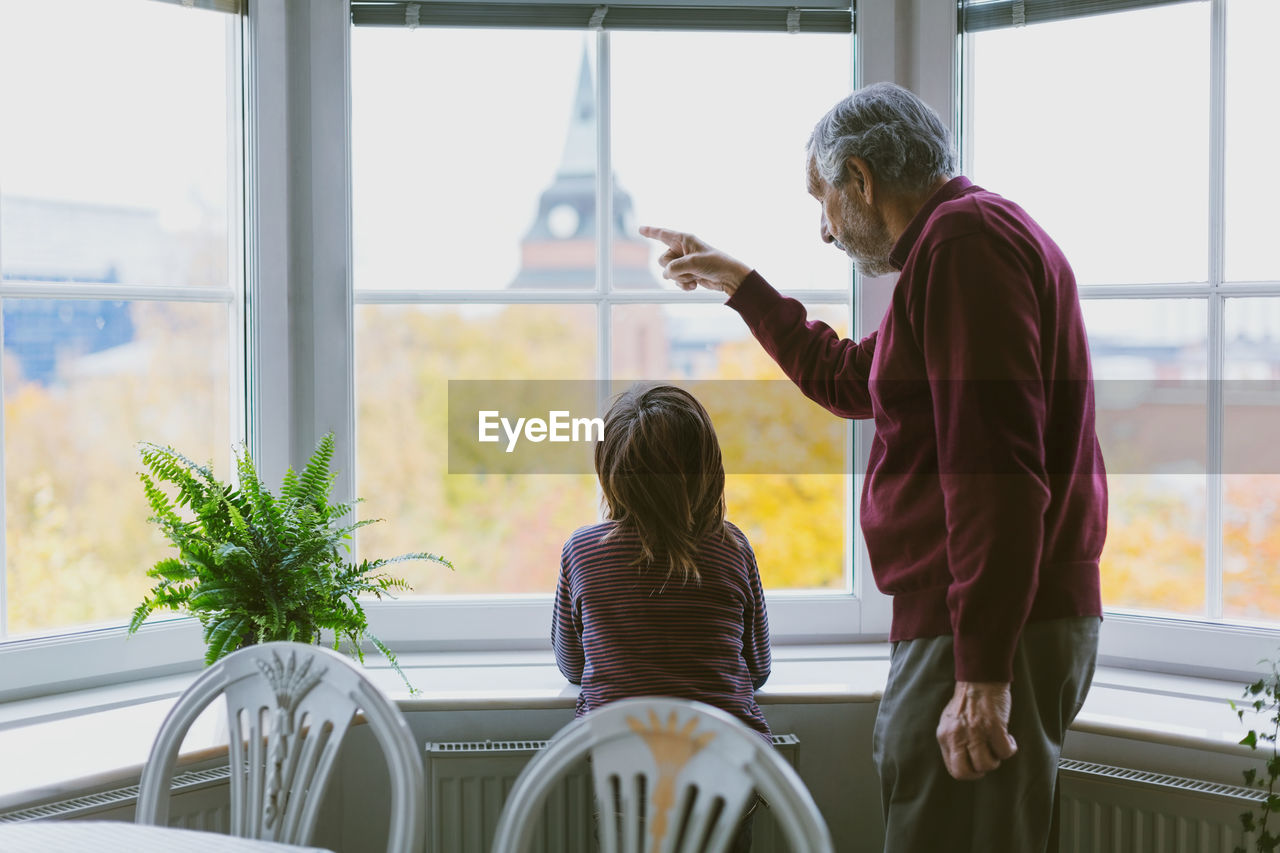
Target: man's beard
x,y
864,237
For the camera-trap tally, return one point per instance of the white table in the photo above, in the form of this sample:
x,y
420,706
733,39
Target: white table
x,y
102,836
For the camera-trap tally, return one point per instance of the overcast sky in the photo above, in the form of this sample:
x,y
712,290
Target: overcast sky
x,y
456,132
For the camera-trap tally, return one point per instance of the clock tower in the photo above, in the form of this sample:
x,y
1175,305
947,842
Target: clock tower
x,y
559,250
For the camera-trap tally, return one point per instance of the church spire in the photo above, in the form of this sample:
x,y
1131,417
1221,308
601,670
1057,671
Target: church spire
x,y
579,156
558,251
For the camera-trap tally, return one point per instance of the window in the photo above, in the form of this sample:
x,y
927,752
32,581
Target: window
x,y
479,213
1147,159
120,283
476,176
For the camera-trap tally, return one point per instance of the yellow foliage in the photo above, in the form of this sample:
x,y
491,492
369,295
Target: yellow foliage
x,y
78,541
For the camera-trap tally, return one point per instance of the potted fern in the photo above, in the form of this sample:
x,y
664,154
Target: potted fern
x,y
254,567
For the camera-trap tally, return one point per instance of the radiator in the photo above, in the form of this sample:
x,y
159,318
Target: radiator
x,y
200,800
1104,809
1115,810
468,782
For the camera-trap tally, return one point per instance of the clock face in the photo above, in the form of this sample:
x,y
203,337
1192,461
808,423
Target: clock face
x,y
563,221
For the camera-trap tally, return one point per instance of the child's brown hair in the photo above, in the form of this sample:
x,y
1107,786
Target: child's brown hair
x,y
662,475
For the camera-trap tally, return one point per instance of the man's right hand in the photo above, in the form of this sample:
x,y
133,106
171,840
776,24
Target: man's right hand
x,y
689,262
973,732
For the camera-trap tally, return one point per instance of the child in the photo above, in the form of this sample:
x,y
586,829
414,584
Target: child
x,y
664,597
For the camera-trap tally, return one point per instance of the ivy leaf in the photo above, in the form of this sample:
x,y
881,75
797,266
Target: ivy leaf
x,y
1250,740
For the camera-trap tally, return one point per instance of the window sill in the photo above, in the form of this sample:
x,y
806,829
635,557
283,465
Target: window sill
x,y
64,745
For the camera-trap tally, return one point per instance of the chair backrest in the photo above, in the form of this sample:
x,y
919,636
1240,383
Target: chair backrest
x,y
289,705
670,776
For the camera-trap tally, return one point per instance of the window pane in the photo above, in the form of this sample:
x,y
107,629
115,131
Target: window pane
x,y
1251,462
1149,368
84,381
458,138
1109,154
1253,126
502,532
122,171
534,232
120,132
796,515
709,134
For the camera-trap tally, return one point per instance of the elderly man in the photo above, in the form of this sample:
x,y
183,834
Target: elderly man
x,y
984,506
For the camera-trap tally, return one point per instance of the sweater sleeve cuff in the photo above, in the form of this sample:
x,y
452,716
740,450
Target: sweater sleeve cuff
x,y
754,298
984,659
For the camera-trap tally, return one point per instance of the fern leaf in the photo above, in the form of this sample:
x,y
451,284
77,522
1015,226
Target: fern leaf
x,y
229,552
212,598
224,637
316,478
171,569
341,510
371,565
394,661
140,614
171,595
289,486
345,531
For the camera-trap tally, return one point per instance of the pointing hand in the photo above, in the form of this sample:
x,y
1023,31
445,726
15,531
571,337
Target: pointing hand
x,y
689,262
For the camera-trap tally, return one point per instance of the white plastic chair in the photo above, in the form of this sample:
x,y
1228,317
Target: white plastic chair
x,y
670,776
289,705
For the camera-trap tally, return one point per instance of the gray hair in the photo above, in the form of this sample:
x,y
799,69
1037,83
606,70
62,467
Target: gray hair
x,y
902,139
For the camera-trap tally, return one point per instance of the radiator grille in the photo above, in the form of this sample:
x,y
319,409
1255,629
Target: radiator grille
x,y
1108,809
199,802
468,782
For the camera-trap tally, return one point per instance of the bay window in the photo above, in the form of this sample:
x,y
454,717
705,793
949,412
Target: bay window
x,y
308,217
1137,137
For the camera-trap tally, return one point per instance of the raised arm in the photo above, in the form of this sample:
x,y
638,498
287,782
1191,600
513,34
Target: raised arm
x,y
830,370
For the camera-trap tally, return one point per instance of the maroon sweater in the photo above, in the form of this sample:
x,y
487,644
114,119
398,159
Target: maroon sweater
x,y
985,501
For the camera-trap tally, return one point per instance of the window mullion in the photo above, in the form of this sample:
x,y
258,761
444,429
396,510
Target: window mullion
x,y
604,242
1216,342
237,251
267,224
604,170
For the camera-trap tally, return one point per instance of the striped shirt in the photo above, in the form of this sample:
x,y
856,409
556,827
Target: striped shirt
x,y
620,631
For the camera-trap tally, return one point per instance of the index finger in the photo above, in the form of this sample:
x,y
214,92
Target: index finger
x,y
674,239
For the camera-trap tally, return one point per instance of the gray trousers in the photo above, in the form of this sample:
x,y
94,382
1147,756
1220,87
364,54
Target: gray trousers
x,y
1013,809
